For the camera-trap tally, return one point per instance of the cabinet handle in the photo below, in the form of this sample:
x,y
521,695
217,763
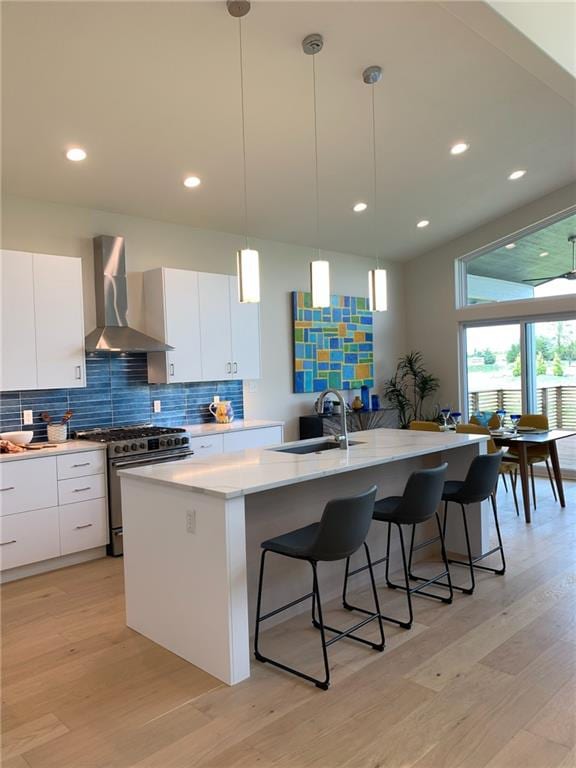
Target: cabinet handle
x,y
79,490
228,367
86,525
9,488
5,543
235,367
171,369
85,464
78,372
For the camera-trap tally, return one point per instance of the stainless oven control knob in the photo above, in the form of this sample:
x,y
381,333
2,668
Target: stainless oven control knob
x,y
118,449
134,447
169,441
125,448
142,446
176,441
162,442
184,441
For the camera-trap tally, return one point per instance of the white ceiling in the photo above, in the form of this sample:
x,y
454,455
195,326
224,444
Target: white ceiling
x,y
151,90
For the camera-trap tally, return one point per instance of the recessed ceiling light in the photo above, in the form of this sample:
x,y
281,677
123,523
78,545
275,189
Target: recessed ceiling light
x,y
191,182
459,148
510,246
544,253
516,175
76,154
423,223
359,207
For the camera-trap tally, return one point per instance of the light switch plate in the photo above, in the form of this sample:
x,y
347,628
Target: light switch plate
x,y
252,386
27,417
157,406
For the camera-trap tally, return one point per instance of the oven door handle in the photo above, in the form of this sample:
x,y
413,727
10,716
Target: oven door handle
x,y
150,460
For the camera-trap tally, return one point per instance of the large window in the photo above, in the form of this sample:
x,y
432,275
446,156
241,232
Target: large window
x,y
525,266
525,367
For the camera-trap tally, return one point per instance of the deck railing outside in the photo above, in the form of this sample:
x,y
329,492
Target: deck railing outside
x,y
558,403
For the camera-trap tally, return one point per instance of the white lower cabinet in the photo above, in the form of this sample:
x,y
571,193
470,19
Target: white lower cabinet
x,y
29,537
252,438
206,446
83,526
48,509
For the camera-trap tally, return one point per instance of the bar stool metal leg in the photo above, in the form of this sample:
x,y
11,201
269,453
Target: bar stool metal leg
x,y
472,562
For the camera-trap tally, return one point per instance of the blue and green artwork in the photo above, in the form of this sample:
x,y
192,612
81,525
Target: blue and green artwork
x,y
333,346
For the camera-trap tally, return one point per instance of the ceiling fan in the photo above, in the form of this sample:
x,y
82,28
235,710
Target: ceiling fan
x,y
570,275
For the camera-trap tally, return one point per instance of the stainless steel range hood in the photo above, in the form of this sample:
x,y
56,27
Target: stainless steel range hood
x,y
112,332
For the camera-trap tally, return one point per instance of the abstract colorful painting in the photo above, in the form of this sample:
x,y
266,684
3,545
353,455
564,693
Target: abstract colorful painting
x,y
333,347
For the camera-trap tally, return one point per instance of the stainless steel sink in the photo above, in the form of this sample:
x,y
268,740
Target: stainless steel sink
x,y
327,445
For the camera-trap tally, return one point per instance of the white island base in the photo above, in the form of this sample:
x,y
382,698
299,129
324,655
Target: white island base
x,y
192,534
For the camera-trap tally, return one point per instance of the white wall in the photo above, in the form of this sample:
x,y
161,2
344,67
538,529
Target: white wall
x,y
67,230
431,315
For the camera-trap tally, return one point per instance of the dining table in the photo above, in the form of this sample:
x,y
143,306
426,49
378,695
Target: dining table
x,y
521,441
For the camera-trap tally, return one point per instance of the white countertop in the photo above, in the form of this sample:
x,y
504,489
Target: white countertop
x,y
70,446
253,470
234,426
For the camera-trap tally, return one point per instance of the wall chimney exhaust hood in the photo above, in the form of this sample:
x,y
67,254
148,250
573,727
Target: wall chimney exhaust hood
x,y
112,332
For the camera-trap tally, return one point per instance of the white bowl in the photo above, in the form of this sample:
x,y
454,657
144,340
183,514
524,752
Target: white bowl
x,y
18,438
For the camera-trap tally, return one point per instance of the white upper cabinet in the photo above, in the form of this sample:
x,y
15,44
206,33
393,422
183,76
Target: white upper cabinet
x,y
18,330
198,313
245,329
42,334
59,321
215,330
173,315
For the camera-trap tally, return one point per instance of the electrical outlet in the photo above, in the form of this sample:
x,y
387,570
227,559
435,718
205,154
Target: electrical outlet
x,y
252,386
27,417
157,406
191,521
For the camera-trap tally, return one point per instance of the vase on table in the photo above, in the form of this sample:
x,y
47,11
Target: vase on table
x,y
222,411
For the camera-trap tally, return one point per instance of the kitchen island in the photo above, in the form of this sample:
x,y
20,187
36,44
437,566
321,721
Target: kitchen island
x,y
192,532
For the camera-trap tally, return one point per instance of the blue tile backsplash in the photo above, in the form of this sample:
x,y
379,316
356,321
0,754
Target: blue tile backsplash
x,y
118,393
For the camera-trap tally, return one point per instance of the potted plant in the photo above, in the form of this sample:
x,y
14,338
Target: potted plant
x,y
408,389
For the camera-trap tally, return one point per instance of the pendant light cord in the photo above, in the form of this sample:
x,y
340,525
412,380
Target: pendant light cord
x,y
243,132
374,181
317,186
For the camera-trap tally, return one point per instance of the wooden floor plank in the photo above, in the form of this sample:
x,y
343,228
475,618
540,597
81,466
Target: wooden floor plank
x,y
527,750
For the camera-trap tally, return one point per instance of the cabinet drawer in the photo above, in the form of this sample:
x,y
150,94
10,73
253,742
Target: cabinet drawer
x,y
81,489
27,484
252,438
204,446
78,464
29,537
83,526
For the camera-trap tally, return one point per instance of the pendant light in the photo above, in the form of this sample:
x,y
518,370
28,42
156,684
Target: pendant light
x,y
247,258
377,278
319,268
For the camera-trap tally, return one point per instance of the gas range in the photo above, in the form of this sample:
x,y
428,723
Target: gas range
x,y
137,439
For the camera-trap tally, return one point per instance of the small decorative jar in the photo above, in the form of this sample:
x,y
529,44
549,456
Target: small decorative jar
x,y
222,411
357,404
57,433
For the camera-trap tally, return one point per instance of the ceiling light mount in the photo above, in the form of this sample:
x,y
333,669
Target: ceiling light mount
x,y
237,8
372,75
313,43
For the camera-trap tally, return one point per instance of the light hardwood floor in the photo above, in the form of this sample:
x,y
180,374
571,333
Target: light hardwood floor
x,y
488,682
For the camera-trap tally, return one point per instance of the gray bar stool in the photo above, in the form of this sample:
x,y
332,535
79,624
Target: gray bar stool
x,y
339,534
418,504
479,485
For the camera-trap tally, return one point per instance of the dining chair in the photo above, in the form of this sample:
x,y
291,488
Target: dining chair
x,y
493,421
425,426
506,467
537,454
